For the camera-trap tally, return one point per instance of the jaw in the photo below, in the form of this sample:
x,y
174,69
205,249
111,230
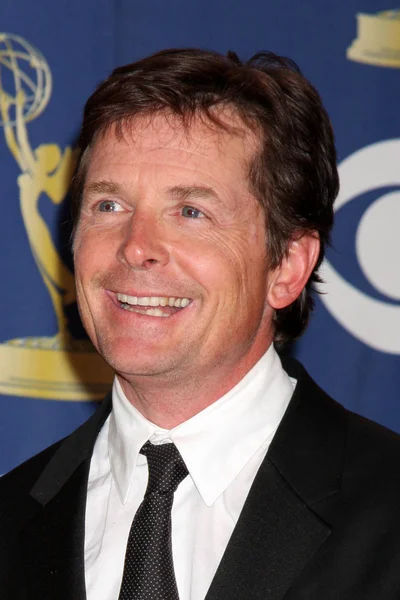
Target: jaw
x,y
198,351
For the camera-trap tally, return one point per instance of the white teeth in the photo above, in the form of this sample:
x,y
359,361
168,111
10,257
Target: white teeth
x,y
155,312
143,301
152,312
153,301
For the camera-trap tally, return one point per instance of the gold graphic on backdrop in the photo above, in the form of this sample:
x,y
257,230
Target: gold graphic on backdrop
x,y
378,39
58,367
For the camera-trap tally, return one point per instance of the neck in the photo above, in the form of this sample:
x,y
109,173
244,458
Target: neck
x,y
167,401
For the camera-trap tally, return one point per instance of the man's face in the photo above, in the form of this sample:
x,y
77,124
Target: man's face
x,y
168,219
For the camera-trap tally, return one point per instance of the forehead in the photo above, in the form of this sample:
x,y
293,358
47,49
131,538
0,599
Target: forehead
x,y
166,138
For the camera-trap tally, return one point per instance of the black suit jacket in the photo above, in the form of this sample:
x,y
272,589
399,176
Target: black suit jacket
x,y
322,519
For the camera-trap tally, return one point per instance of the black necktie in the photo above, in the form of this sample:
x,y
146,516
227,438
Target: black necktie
x,y
149,570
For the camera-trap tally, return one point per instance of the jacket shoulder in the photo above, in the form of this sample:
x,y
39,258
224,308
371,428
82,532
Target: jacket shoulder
x,y
371,441
20,480
68,452
371,449
51,468
361,456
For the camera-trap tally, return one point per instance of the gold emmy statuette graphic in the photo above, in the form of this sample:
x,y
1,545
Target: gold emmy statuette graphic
x,y
58,367
378,39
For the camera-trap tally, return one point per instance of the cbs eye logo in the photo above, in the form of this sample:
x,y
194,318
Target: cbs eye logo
x,y
362,280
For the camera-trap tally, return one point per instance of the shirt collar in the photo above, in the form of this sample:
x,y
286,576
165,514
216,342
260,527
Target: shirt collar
x,y
217,442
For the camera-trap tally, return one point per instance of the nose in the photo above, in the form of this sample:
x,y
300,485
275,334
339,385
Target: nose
x,y
143,244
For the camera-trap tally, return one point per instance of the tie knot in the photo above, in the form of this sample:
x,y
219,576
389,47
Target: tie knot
x,y
166,467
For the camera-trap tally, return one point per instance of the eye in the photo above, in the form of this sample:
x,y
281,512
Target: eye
x,y
109,206
192,213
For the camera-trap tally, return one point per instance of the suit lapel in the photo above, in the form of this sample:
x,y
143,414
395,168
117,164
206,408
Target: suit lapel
x,y
53,544
274,539
280,528
53,541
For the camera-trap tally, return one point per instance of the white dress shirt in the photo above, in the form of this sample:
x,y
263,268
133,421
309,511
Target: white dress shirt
x,y
223,447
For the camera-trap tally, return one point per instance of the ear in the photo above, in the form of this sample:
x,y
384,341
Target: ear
x,y
290,277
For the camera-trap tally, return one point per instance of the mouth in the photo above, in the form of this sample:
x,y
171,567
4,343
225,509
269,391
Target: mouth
x,y
153,306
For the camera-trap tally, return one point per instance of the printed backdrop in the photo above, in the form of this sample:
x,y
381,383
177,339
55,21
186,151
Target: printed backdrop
x,y
52,54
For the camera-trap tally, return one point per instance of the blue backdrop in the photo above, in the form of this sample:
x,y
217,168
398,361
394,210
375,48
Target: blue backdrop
x,y
52,54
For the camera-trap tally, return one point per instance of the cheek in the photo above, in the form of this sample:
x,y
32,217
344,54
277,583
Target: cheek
x,y
80,245
228,263
93,249
245,282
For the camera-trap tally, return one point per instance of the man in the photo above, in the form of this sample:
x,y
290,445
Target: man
x,y
203,204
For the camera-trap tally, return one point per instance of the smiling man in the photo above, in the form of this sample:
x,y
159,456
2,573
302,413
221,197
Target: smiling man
x,y
183,270
203,202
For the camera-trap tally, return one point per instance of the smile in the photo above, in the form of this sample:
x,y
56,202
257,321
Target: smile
x,y
153,306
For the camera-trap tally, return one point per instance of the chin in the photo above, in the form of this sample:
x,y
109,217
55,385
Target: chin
x,y
131,359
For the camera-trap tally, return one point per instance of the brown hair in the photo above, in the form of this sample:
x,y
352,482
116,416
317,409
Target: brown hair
x,y
293,175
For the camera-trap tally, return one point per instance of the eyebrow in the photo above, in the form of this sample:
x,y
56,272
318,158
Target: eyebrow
x,y
193,192
102,187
